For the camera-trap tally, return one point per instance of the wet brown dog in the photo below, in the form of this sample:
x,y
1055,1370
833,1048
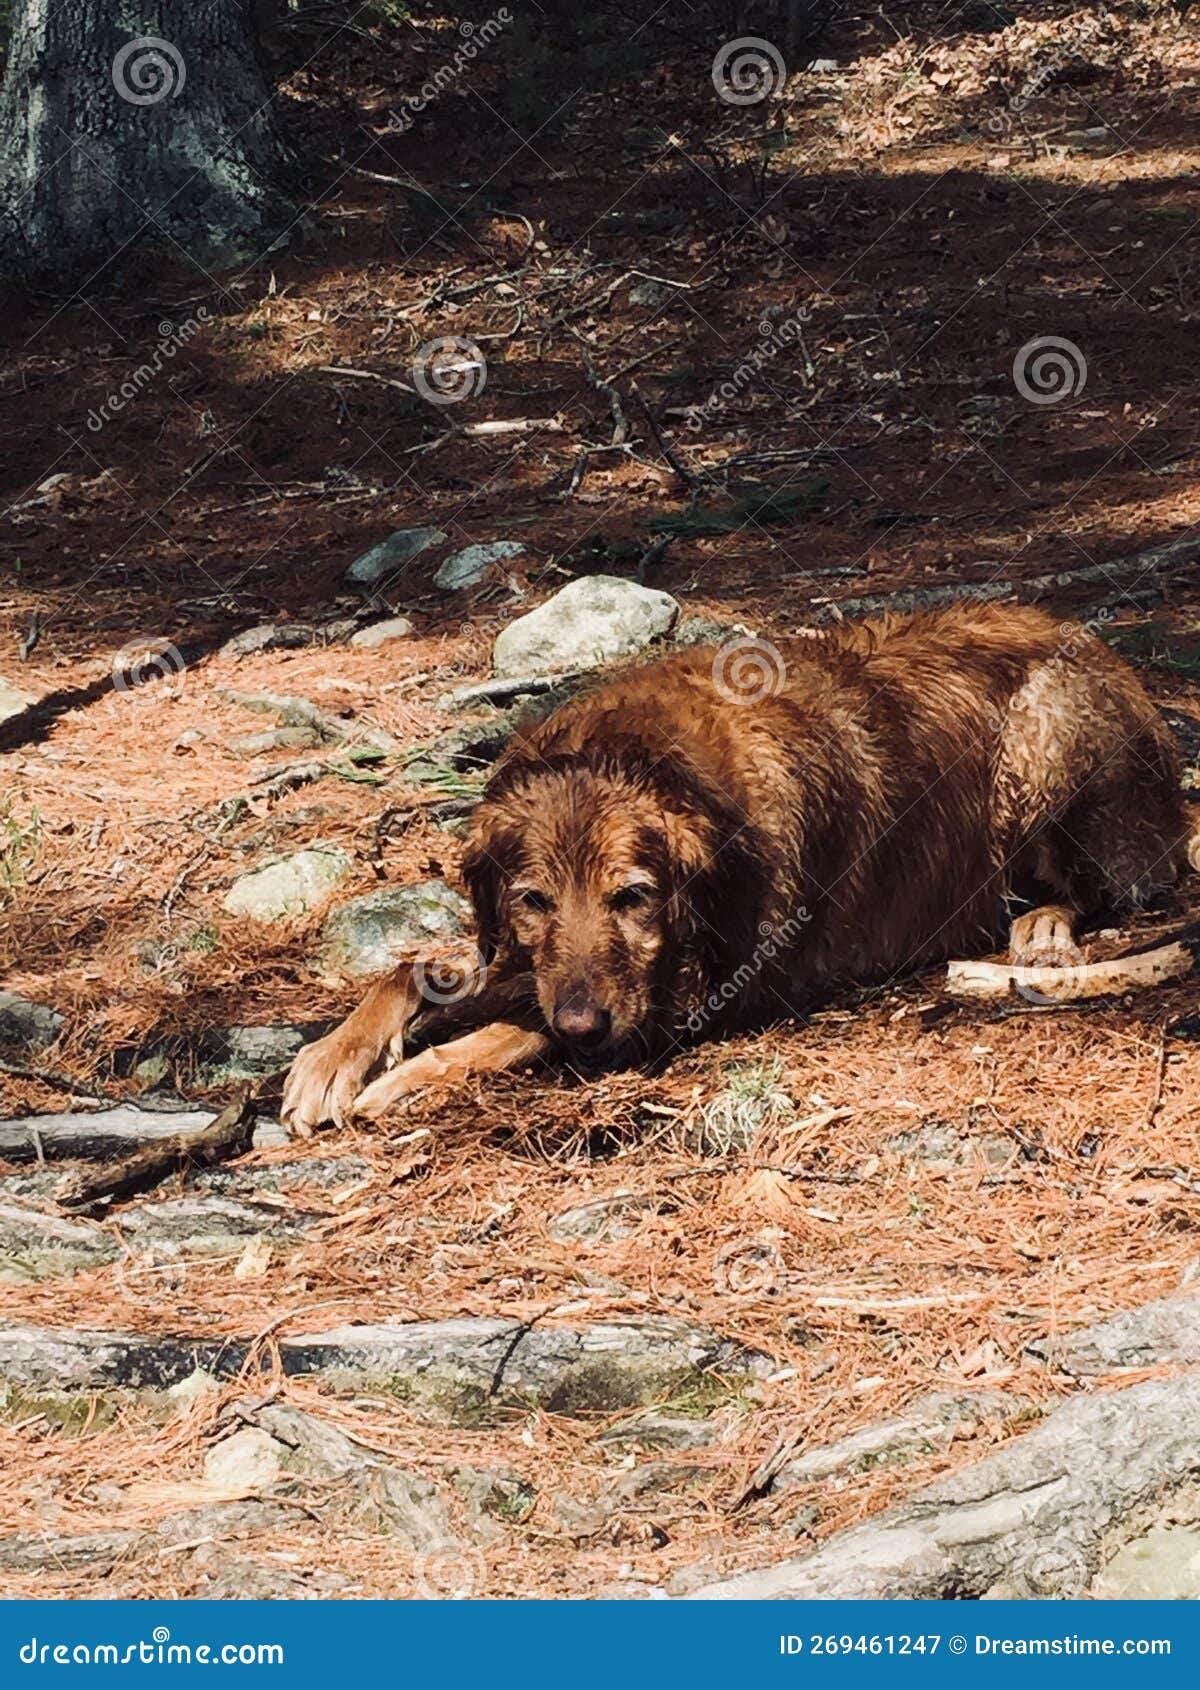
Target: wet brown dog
x,y
720,837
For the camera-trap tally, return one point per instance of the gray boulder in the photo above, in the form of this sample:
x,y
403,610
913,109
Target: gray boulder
x,y
588,622
374,932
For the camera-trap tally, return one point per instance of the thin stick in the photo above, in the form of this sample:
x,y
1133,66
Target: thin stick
x,y
227,1135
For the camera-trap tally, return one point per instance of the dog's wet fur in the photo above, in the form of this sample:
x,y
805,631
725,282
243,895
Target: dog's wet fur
x,y
662,859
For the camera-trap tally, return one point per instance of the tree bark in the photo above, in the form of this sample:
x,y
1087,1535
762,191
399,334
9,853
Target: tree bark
x,y
126,128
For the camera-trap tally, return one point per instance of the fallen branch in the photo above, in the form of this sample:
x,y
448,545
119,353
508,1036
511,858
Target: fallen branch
x,y
1158,559
1068,984
226,1136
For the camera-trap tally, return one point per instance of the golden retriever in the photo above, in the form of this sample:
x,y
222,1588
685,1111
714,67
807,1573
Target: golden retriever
x,y
719,837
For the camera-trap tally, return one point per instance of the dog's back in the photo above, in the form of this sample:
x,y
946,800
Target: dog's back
x,y
895,781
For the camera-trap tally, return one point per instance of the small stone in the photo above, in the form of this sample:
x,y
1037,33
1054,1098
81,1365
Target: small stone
x,y
704,630
466,568
269,636
289,886
374,932
26,1023
588,622
250,1460
392,554
379,633
650,293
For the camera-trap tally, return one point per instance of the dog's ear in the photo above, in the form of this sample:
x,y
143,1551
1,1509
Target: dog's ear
x,y
484,873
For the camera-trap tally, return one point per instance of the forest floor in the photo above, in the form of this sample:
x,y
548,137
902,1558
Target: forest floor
x,y
933,202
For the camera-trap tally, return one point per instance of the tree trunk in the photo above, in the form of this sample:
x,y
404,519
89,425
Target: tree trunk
x,y
124,128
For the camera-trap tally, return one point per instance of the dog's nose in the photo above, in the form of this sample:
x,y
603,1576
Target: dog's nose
x,y
581,1020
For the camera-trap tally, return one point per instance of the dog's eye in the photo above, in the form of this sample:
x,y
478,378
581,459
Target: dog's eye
x,y
630,898
538,902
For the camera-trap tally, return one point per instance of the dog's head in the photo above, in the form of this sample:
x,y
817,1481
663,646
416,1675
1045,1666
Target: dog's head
x,y
611,879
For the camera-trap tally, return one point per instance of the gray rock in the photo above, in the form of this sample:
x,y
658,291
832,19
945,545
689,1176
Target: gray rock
x,y
465,568
941,1142
607,1218
247,1053
662,1431
23,1022
13,701
35,1552
208,1225
288,886
108,1133
248,1460
495,1498
379,1495
392,554
375,932
1167,1330
322,1173
454,1370
1163,1565
650,293
298,738
928,1424
270,636
1035,1518
37,1246
379,633
703,630
586,623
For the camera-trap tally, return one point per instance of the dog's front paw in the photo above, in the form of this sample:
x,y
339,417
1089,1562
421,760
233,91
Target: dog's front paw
x,y
323,1082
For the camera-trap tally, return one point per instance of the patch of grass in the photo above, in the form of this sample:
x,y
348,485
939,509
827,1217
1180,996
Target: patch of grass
x,y
20,847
